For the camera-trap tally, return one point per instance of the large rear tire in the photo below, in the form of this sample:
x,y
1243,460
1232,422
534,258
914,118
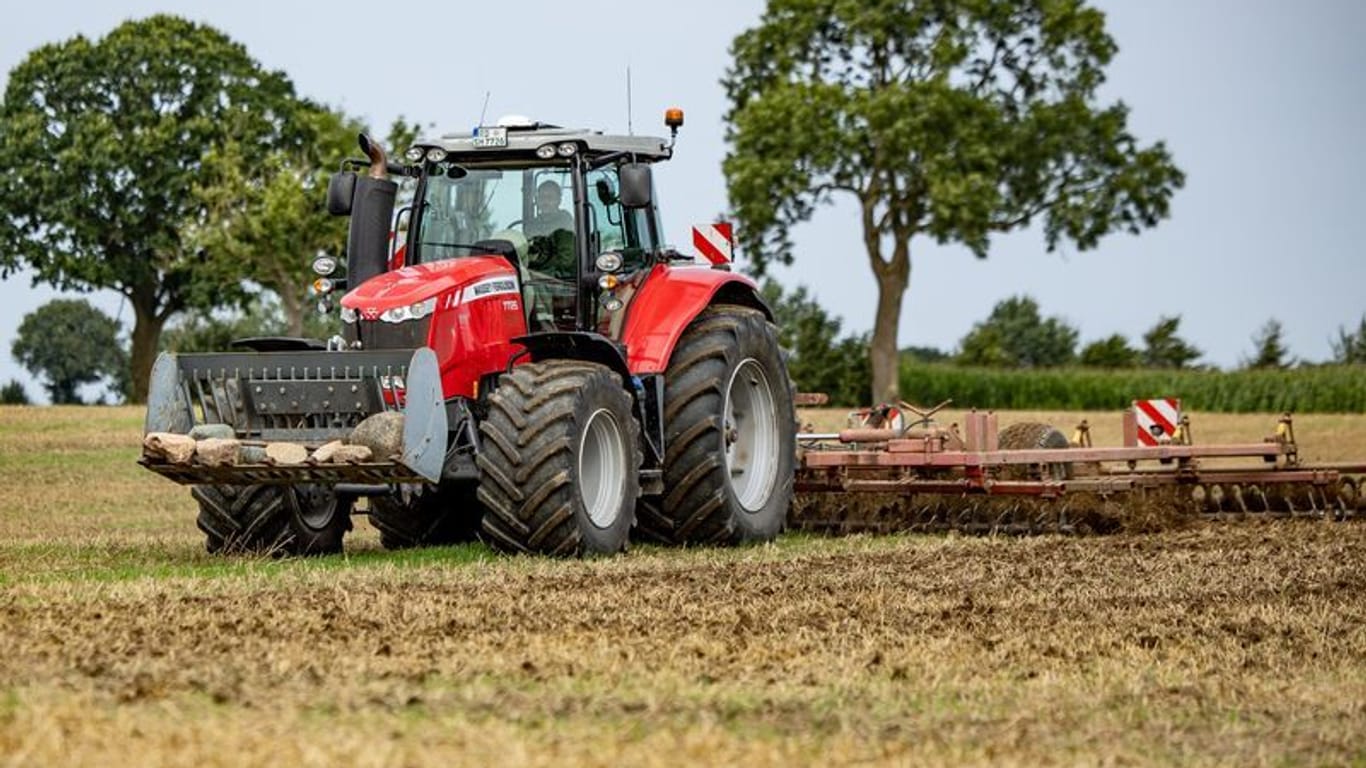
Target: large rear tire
x,y
273,519
729,434
560,461
437,517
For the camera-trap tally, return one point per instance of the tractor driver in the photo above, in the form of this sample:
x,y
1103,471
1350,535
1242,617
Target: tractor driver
x,y
552,233
549,216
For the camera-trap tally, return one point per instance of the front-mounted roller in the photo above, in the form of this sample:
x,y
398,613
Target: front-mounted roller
x,y
258,433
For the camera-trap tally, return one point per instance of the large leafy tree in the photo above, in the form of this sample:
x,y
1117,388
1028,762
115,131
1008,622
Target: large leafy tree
x,y
1015,334
269,215
103,143
68,342
951,119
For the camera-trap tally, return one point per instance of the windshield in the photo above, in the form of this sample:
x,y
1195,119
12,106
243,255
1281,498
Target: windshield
x,y
516,205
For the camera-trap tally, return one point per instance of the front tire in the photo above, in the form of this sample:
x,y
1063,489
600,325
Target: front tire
x,y
241,518
560,464
319,520
272,519
729,434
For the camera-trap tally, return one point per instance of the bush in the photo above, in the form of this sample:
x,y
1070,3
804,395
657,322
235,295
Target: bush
x,y
13,393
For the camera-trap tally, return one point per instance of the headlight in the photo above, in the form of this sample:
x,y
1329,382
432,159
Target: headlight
x,y
609,262
415,154
545,151
436,155
348,315
568,149
324,266
411,312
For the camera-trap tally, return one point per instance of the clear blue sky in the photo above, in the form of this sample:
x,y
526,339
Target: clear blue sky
x,y
1262,103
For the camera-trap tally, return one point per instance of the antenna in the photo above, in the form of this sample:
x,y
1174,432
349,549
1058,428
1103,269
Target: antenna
x,y
630,126
485,110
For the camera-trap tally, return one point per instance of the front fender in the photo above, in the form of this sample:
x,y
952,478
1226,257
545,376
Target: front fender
x,y
670,299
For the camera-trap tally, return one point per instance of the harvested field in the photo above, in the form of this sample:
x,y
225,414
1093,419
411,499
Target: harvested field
x,y
120,641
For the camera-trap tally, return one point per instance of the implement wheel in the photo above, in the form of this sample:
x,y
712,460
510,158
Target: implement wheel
x,y
444,516
729,434
560,465
273,519
1028,436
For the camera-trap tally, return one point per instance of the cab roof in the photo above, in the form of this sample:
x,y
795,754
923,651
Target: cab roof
x,y
525,139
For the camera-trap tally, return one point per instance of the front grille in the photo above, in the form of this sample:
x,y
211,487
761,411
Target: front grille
x,y
376,334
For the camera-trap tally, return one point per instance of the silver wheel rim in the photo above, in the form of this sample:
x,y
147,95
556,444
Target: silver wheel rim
x,y
751,436
602,468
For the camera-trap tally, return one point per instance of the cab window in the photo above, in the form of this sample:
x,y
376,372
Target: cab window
x,y
614,228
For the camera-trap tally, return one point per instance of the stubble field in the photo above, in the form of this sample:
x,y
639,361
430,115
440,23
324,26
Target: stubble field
x,y
122,642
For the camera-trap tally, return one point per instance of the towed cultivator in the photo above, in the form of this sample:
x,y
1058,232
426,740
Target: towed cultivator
x,y
1030,478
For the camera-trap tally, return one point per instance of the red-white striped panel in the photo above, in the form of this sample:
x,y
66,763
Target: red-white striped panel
x,y
1156,419
714,242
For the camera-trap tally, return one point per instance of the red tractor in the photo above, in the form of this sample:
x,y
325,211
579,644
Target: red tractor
x,y
555,379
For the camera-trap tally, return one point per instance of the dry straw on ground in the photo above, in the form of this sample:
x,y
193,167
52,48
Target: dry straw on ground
x,y
121,642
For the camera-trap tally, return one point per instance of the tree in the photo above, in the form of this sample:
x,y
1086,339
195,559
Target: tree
x,y
13,393
919,355
1016,335
205,331
68,342
1112,351
1269,346
955,120
270,217
818,360
1164,349
1351,347
102,144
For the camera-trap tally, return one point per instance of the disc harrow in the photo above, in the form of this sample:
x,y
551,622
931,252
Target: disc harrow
x,y
890,474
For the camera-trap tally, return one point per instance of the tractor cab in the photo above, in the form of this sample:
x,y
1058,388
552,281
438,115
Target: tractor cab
x,y
572,210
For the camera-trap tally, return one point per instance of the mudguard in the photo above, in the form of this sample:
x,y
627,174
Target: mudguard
x,y
669,300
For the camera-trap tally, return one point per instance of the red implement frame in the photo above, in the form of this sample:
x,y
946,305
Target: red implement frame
x,y
939,461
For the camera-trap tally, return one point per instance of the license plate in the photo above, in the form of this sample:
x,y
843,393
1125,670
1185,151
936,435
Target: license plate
x,y
490,137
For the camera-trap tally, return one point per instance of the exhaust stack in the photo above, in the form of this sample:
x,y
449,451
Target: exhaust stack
x,y
372,212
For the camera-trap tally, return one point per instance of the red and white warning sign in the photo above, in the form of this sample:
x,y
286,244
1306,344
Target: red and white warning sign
x,y
716,242
1156,420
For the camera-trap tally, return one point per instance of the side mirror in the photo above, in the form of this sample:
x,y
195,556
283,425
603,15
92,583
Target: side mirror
x,y
636,185
341,189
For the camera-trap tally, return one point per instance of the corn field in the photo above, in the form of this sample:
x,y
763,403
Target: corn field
x,y
1326,389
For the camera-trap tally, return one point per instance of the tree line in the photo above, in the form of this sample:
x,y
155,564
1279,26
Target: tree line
x,y
1001,360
